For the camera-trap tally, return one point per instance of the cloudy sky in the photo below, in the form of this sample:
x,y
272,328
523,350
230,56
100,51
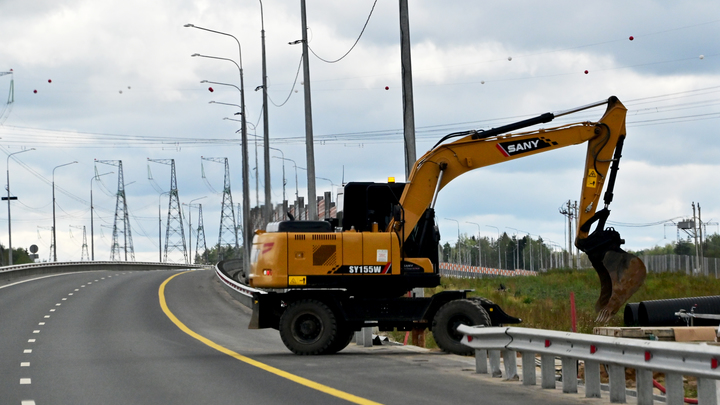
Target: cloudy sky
x,y
114,80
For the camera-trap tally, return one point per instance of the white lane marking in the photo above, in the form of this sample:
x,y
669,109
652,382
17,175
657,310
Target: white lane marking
x,y
25,364
47,316
52,310
31,340
27,402
36,331
64,299
41,323
77,289
58,304
82,286
39,278
71,293
97,280
24,381
27,351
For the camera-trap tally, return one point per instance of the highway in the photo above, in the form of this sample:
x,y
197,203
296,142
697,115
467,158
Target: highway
x,y
153,337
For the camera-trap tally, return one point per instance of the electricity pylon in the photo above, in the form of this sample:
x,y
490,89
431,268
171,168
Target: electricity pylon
x,y
174,232
201,236
84,254
228,229
47,228
121,213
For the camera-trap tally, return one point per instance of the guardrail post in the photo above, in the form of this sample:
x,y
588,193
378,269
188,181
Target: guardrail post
x,y
481,366
495,363
707,394
675,392
528,368
643,377
569,375
617,383
547,371
592,379
510,361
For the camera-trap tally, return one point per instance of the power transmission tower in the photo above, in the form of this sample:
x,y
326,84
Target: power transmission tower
x,y
121,213
174,232
228,235
201,237
5,111
84,254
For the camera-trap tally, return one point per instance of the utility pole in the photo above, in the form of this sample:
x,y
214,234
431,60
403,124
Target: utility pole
x,y
266,130
698,265
407,89
309,146
569,212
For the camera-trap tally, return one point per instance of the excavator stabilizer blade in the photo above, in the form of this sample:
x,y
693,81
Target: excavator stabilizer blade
x,y
624,274
621,273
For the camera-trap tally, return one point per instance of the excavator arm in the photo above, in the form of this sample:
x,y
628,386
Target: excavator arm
x,y
620,273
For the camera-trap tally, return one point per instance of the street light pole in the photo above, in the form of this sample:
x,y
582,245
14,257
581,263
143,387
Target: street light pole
x,y
498,243
10,251
247,232
297,196
478,243
160,225
458,238
53,197
92,235
283,177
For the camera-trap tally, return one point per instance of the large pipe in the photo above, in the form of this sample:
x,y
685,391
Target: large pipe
x,y
662,312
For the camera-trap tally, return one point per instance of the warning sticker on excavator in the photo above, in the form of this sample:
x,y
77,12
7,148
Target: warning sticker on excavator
x,y
591,179
297,280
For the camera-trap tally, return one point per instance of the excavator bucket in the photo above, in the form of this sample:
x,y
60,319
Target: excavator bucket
x,y
621,273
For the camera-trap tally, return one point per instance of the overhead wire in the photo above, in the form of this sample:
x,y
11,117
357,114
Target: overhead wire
x,y
356,41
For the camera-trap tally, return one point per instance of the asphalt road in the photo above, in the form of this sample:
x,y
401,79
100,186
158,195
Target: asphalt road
x,y
104,338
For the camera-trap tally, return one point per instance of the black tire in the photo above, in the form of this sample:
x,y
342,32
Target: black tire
x,y
309,327
452,315
344,337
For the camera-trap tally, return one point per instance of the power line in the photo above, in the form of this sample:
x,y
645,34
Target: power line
x,y
356,41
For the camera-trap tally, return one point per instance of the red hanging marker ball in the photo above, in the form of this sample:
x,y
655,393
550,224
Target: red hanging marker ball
x,y
210,89
49,80
35,91
586,72
387,87
631,37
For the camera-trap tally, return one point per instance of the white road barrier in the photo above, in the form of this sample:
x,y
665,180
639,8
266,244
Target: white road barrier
x,y
645,356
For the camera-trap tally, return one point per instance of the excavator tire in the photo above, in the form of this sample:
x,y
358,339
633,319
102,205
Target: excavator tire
x,y
309,327
344,337
450,316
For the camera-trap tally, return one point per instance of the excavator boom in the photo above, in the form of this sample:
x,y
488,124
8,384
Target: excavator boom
x,y
621,274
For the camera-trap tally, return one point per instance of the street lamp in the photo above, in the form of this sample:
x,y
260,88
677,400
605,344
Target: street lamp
x,y
296,177
247,236
92,236
190,224
478,243
498,243
10,252
283,177
160,225
53,196
458,239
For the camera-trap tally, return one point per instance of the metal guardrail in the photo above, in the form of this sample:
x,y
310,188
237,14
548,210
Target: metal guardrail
x,y
672,358
241,292
9,273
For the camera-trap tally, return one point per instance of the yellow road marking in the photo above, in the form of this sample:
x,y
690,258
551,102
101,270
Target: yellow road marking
x,y
292,377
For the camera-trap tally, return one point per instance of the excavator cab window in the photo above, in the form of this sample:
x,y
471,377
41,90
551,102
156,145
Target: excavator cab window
x,y
367,202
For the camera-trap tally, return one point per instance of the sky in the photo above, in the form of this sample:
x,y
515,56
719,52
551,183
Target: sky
x,y
115,80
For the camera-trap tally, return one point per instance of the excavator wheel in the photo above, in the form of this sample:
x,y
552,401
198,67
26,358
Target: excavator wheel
x,y
309,327
450,316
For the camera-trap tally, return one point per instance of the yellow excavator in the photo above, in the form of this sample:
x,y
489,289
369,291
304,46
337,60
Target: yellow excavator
x,y
320,281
